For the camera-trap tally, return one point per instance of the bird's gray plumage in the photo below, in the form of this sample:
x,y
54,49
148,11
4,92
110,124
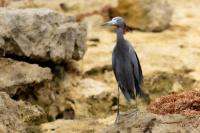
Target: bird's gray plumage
x,y
125,62
127,69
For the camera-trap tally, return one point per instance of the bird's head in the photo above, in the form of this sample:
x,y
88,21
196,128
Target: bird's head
x,y
116,21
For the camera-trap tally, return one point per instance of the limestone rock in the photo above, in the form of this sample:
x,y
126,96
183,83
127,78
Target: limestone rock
x,y
41,35
98,97
147,15
16,76
73,126
75,98
144,122
15,117
91,88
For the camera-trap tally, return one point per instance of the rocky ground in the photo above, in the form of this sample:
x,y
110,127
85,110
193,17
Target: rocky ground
x,y
48,91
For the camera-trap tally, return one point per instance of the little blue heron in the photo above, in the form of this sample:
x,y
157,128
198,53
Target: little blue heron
x,y
125,64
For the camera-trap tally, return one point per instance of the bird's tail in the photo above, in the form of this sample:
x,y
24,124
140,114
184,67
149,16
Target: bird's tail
x,y
139,91
126,94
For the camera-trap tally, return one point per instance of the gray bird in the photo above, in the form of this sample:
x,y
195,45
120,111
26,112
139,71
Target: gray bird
x,y
125,64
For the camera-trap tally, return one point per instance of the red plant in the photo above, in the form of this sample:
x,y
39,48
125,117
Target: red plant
x,y
186,103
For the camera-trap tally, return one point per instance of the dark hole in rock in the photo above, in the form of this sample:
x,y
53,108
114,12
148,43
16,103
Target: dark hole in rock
x,y
53,129
114,101
57,92
66,114
59,71
94,39
15,97
25,94
60,116
93,45
64,7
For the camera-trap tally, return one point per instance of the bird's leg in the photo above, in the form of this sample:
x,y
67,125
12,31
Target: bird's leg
x,y
117,118
118,102
136,104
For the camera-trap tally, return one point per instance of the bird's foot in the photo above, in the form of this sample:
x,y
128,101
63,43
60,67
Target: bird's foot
x,y
136,111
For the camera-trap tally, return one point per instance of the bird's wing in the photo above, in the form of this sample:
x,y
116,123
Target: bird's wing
x,y
124,79
114,64
136,64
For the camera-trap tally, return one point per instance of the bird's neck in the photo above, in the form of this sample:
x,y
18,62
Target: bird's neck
x,y
120,35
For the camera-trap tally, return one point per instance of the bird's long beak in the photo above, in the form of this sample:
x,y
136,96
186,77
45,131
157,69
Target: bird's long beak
x,y
109,23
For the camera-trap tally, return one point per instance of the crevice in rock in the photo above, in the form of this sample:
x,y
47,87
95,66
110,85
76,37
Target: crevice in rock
x,y
56,69
27,93
40,62
148,128
75,54
66,114
98,70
